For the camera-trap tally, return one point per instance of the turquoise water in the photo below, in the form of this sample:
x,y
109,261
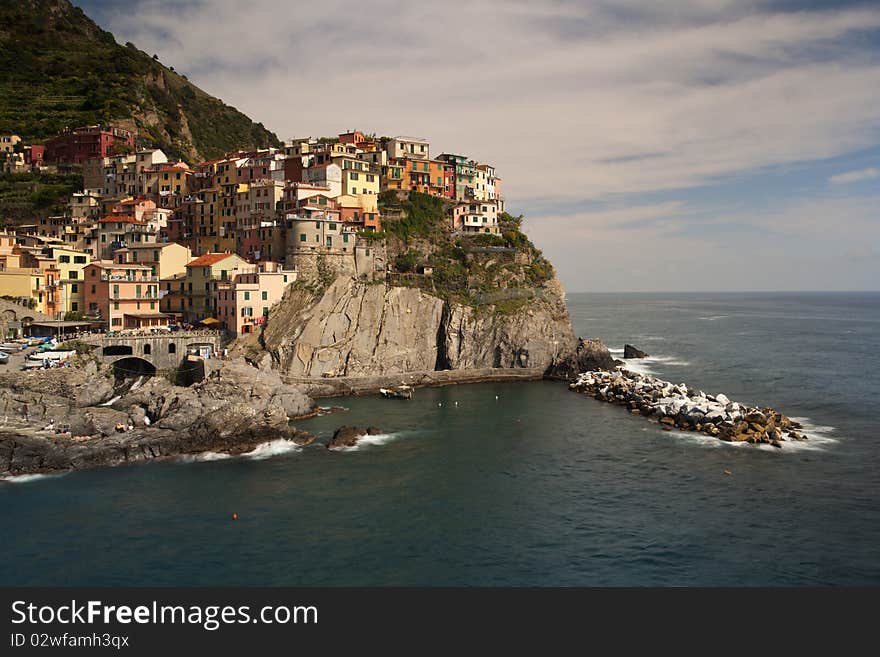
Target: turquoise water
x,y
517,484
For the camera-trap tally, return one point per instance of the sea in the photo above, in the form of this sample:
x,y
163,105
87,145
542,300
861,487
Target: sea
x,y
518,484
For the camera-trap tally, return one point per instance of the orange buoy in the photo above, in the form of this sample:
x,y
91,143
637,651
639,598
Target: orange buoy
x,y
235,516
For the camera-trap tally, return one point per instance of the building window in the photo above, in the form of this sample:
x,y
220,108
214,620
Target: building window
x,y
74,306
172,348
147,349
247,296
64,258
302,237
74,288
265,295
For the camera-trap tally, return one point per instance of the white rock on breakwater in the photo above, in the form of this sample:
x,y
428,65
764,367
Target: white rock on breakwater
x,y
682,407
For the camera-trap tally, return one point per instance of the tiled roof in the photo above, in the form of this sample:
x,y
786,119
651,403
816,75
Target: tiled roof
x,y
120,220
209,259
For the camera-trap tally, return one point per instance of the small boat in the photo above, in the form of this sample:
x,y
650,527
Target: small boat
x,y
12,346
36,361
400,392
4,358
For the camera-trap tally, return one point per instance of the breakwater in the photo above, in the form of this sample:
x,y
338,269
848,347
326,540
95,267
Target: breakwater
x,y
678,406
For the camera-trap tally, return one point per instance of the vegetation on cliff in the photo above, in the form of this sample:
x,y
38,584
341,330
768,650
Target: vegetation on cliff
x,y
59,70
501,271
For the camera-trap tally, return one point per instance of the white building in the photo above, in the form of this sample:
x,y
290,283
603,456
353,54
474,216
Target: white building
x,y
476,217
411,147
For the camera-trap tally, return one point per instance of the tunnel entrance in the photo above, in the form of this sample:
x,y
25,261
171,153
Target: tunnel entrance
x,y
126,368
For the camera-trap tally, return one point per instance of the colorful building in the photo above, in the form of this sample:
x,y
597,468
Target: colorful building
x,y
243,302
163,258
202,275
411,147
123,296
476,217
80,144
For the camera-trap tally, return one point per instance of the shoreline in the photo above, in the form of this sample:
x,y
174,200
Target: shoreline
x,y
369,385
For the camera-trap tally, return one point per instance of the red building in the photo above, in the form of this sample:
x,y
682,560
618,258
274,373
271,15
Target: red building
x,y
33,155
75,146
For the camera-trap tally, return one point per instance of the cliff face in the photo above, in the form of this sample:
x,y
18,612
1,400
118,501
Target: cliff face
x,y
354,329
365,329
535,335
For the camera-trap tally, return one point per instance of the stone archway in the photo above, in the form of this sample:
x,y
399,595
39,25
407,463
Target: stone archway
x,y
134,366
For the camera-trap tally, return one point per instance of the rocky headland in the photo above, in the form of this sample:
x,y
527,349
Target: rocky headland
x,y
437,301
684,408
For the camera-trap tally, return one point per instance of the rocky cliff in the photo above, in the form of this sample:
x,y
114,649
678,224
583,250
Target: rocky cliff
x,y
447,301
358,329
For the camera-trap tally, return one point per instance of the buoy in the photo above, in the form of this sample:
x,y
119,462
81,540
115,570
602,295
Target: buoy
x,y
439,403
456,403
496,397
727,472
235,516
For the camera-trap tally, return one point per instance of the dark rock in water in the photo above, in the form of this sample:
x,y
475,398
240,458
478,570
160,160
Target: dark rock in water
x,y
590,355
632,352
347,436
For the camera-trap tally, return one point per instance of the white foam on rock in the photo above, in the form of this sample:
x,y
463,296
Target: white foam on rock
x,y
28,478
272,448
369,441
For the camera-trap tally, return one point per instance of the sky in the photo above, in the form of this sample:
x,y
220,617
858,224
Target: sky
x,y
684,145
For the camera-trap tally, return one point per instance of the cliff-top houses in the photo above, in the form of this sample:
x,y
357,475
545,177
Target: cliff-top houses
x,y
151,242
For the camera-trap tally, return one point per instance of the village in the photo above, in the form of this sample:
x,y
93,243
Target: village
x,y
151,244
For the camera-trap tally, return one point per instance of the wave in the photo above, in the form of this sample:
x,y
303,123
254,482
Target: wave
x,y
262,451
819,436
272,448
817,440
646,365
712,318
26,478
369,441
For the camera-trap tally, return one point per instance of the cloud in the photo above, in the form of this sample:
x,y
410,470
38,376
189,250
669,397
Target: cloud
x,y
855,176
632,100
584,107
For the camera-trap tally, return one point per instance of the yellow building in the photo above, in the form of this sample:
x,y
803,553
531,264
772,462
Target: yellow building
x,y
70,264
202,274
358,177
165,259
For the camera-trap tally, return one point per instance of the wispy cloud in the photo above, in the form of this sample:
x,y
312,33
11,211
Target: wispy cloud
x,y
855,176
705,89
584,105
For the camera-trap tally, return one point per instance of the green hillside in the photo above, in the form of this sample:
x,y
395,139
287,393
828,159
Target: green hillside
x,y
59,69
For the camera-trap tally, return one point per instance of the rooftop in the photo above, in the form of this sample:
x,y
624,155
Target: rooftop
x,y
210,259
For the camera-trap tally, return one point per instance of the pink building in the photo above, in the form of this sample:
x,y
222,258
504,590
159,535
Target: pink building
x,y
244,301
